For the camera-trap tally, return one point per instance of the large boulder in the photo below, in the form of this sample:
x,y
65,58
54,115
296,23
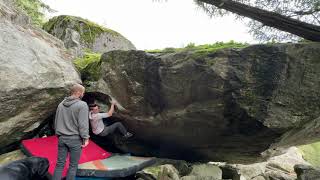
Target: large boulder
x,y
81,34
227,105
35,73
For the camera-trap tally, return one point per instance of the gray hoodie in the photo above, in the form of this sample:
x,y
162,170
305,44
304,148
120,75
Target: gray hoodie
x,y
72,118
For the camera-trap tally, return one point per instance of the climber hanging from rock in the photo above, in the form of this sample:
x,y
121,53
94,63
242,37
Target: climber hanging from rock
x,y
97,125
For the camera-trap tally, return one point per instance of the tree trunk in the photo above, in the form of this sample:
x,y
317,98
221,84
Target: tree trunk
x,y
278,21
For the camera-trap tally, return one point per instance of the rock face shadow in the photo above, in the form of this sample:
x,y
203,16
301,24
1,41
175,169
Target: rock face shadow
x,y
227,105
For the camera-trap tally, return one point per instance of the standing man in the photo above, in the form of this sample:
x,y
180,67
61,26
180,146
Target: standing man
x,y
72,128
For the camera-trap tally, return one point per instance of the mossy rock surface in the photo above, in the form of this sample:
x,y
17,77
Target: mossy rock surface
x,y
11,156
311,153
89,66
87,29
201,50
92,35
225,105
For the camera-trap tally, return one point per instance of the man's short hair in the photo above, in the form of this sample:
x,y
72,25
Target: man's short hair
x,y
91,106
76,88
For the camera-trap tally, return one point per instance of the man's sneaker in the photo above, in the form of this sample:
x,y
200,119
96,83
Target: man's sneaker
x,y
127,135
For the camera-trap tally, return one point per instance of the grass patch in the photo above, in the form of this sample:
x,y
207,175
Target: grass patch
x,y
88,58
89,66
311,153
206,48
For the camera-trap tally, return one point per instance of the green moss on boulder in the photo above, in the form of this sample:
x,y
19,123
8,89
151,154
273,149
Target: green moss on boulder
x,y
89,66
311,153
11,156
92,36
88,30
201,49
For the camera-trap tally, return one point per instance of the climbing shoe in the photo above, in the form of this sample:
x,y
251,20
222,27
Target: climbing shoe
x,y
127,135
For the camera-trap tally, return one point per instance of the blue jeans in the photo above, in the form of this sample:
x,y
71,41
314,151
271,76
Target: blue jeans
x,y
71,144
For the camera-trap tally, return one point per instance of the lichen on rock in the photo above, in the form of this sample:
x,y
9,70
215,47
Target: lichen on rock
x,y
92,36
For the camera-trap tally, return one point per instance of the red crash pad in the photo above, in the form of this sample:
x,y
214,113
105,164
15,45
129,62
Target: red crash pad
x,y
48,147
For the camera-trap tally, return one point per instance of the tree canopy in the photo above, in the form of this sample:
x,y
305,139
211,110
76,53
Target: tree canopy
x,y
267,17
